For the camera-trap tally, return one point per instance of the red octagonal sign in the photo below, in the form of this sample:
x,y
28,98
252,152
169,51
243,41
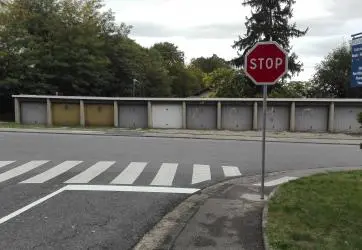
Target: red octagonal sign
x,y
266,63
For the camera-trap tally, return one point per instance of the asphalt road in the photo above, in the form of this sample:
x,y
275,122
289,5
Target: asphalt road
x,y
96,218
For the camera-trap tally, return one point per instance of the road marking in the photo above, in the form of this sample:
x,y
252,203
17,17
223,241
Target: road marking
x,y
53,172
100,188
277,181
230,171
20,170
91,173
143,189
5,163
165,175
31,205
130,174
201,173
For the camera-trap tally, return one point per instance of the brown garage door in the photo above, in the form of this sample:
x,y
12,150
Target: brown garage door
x,y
100,115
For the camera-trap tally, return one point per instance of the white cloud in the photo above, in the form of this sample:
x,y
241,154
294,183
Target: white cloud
x,y
205,27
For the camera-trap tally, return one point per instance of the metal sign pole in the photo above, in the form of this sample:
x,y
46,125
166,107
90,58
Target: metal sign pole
x,y
265,96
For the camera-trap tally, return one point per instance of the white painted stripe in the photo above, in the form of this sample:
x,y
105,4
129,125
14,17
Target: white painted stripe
x,y
5,163
230,171
277,181
31,205
201,173
100,188
92,172
22,169
53,172
144,189
165,175
130,174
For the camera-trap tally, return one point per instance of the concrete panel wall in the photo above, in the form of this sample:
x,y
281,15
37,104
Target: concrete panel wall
x,y
201,116
167,115
133,115
33,113
66,114
345,118
311,117
277,118
99,115
237,117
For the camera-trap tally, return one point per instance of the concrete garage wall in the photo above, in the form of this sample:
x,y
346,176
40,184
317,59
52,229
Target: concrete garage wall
x,y
33,113
167,115
99,114
311,117
66,114
299,115
345,118
133,115
277,117
237,117
201,116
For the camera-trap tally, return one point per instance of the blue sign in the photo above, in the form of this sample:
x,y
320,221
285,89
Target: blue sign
x,y
356,80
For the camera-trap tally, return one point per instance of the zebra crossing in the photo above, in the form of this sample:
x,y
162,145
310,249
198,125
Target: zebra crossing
x,y
163,175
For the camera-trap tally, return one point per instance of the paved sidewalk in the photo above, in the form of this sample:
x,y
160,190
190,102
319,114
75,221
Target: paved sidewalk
x,y
230,219
226,216
320,138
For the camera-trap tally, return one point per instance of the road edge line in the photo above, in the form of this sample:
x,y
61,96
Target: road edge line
x,y
31,205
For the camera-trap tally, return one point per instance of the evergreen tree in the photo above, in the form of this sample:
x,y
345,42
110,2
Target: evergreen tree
x,y
270,21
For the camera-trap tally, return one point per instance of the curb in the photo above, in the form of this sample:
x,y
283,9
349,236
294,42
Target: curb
x,y
353,142
349,142
264,219
165,233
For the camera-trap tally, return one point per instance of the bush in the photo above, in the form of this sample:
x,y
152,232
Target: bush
x,y
359,118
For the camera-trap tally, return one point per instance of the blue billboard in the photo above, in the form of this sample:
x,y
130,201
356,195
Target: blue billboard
x,y
356,80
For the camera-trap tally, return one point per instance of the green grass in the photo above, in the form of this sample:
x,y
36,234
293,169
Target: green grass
x,y
318,212
40,126
16,125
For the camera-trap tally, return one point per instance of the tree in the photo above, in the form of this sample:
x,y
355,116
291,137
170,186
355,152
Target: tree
x,y
170,53
62,46
185,80
270,21
293,89
229,83
157,82
209,64
332,77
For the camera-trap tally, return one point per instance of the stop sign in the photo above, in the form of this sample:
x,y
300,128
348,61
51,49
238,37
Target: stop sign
x,y
266,63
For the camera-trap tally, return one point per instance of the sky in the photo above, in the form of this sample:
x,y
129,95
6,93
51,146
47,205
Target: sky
x,y
207,27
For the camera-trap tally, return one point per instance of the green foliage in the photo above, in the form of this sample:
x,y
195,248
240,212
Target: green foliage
x,y
185,81
291,90
270,20
73,47
229,83
209,64
170,53
332,77
359,118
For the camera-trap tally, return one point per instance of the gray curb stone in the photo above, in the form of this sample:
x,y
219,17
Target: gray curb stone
x,y
164,234
264,219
